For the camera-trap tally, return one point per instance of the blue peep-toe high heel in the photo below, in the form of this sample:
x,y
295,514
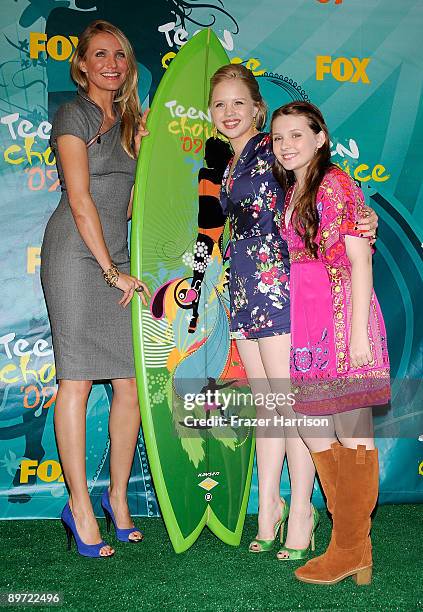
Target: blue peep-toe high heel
x,y
86,550
121,534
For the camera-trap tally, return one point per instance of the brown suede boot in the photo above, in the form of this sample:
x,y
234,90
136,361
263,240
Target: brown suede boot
x,y
327,469
350,550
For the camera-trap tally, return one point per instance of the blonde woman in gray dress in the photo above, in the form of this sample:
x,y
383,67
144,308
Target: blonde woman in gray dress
x,y
85,274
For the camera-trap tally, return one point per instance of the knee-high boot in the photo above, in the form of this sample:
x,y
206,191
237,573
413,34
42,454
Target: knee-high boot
x,y
350,551
326,463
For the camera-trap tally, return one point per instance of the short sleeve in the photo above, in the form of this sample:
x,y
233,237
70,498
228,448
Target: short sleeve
x,y
340,202
70,119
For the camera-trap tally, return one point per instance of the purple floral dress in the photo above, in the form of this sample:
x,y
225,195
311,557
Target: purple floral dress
x,y
259,269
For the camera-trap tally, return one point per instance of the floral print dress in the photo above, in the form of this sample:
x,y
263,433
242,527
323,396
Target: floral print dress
x,y
259,266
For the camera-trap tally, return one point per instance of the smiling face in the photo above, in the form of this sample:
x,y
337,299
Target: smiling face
x,y
104,64
295,143
233,110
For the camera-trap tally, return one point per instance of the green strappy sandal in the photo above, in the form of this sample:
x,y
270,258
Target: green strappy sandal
x,y
259,546
294,554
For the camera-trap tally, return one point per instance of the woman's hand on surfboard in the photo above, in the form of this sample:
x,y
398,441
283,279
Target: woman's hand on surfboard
x,y
141,130
142,291
129,284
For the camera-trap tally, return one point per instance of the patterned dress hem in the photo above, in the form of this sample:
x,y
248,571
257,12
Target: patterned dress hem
x,y
354,402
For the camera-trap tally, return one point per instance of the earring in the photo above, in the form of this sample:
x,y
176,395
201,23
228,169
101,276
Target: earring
x,y
214,131
254,124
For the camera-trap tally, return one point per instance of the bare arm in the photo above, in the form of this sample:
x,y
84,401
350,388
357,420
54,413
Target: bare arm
x,y
74,158
359,254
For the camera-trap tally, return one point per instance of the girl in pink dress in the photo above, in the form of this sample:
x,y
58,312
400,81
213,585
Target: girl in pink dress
x,y
339,357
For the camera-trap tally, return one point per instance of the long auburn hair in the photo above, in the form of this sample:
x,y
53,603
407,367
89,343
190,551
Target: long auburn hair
x,y
126,98
306,218
238,71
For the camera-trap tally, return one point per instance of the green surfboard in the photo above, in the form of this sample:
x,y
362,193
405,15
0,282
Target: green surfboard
x,y
200,447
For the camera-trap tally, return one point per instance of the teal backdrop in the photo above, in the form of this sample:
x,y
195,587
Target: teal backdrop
x,y
360,61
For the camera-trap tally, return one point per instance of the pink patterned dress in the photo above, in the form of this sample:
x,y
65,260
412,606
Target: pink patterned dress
x,y
321,310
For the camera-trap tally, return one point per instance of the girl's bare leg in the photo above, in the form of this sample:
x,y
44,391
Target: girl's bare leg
x,y
355,427
275,353
70,428
270,444
318,438
124,425
350,428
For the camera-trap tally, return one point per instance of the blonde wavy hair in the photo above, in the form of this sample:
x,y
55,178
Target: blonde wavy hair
x,y
126,98
238,71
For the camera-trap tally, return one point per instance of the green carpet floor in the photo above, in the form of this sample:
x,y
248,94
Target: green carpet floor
x,y
210,576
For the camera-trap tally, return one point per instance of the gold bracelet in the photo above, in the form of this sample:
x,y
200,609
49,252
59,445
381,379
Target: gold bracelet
x,y
111,276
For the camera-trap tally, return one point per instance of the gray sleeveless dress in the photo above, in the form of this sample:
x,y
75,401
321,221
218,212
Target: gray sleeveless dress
x,y
91,332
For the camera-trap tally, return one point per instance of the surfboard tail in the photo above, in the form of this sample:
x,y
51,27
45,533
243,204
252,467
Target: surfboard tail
x,y
219,524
